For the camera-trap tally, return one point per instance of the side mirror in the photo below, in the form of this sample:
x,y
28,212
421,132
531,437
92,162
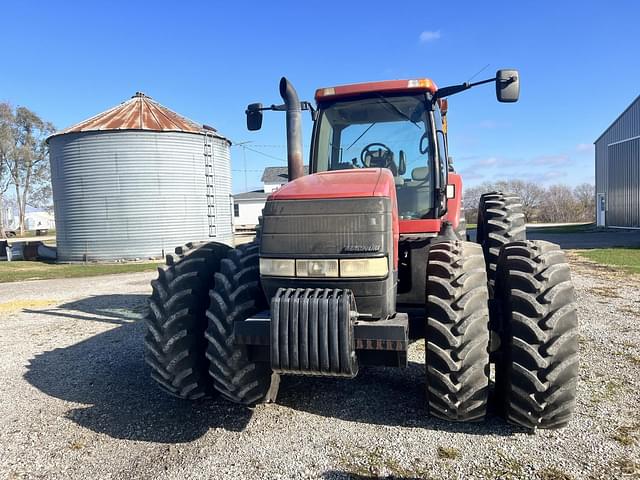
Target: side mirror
x,y
507,85
254,116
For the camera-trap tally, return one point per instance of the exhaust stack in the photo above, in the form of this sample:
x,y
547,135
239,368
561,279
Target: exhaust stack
x,y
294,129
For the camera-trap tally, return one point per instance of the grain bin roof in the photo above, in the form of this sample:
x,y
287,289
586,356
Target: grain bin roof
x,y
139,113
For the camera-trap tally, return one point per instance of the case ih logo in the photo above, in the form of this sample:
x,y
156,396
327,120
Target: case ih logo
x,y
361,249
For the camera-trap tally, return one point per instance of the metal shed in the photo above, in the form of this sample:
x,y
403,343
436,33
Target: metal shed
x,y
136,181
618,171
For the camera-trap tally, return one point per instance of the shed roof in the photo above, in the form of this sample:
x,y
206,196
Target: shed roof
x,y
617,118
278,174
140,112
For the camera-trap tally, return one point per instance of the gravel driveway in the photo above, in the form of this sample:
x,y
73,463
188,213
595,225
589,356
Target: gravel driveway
x,y
76,401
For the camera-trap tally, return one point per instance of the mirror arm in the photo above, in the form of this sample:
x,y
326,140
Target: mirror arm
x,y
279,108
283,108
453,89
482,82
309,106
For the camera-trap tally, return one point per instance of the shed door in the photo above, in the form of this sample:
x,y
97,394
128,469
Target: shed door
x,y
623,195
600,210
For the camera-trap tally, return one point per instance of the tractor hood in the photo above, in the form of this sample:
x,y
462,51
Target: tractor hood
x,y
365,182
339,216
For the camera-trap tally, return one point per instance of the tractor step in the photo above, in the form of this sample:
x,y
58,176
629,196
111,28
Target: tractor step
x,y
317,332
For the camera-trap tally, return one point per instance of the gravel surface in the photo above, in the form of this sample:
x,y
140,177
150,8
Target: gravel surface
x,y
76,401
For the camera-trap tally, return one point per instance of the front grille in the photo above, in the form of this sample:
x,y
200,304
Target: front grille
x,y
338,227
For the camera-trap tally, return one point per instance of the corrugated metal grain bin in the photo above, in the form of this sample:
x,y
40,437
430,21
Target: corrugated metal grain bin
x,y
618,171
136,181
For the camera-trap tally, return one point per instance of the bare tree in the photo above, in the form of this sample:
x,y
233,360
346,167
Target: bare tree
x,y
27,158
559,205
6,147
530,193
470,201
585,194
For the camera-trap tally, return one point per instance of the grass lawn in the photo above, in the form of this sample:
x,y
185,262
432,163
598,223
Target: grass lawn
x,y
627,259
22,270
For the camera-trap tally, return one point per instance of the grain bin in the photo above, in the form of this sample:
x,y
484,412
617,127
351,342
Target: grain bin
x,y
136,181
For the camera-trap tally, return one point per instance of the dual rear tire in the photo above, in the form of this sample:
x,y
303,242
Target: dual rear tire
x,y
533,318
500,220
537,366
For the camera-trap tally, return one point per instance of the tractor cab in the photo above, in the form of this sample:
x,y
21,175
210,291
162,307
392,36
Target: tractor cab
x,y
393,125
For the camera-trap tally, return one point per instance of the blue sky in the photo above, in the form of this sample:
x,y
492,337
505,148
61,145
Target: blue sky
x,y
578,63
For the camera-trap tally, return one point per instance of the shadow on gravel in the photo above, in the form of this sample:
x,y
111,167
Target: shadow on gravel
x,y
382,396
107,373
117,309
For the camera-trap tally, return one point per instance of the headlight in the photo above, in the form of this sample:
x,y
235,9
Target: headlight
x,y
277,267
364,267
323,268
317,268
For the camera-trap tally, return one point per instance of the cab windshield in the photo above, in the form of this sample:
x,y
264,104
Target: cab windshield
x,y
382,132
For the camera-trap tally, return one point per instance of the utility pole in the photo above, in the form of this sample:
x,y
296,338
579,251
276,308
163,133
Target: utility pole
x,y
244,160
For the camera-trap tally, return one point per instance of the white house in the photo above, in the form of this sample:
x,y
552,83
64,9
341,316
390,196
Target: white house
x,y
34,219
39,220
247,206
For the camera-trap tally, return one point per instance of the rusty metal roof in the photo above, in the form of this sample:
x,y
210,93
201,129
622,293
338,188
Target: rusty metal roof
x,y
139,113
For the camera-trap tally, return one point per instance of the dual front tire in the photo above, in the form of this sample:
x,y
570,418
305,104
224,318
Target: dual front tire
x,y
192,359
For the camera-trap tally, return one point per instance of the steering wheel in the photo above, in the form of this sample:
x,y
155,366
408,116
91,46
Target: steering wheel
x,y
383,152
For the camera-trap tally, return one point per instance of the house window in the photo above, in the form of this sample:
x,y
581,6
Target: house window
x,y
236,210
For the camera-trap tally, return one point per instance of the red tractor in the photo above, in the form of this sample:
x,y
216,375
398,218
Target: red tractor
x,y
365,254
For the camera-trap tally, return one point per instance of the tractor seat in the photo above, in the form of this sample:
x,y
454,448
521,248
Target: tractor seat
x,y
420,174
415,196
